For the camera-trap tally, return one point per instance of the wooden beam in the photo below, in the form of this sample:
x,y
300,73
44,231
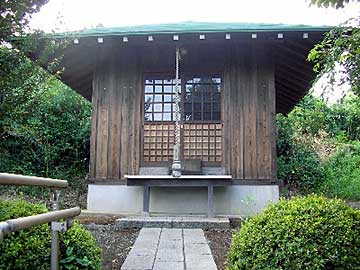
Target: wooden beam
x,y
306,71
289,97
300,46
294,53
292,84
292,75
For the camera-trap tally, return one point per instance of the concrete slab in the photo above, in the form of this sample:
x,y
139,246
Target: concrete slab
x,y
138,263
195,236
203,262
168,266
173,222
170,255
171,234
171,244
170,249
202,249
139,250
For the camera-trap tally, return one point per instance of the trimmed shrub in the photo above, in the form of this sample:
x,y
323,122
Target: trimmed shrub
x,y
303,233
30,249
26,249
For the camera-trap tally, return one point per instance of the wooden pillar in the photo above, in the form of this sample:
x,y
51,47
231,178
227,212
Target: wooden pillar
x,y
210,201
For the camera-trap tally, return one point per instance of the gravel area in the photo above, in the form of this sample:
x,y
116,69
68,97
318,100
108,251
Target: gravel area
x,y
115,243
219,242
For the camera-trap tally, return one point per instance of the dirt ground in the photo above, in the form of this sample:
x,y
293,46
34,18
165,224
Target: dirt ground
x,y
219,242
116,243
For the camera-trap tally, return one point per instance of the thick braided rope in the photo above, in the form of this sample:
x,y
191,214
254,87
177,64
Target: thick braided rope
x,y
177,101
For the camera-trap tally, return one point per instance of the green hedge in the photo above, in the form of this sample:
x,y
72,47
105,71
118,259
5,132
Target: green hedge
x,y
309,233
30,249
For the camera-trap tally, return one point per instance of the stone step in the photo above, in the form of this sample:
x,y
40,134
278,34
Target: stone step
x,y
173,222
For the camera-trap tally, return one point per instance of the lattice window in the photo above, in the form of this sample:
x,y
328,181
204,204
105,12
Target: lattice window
x,y
202,99
203,141
159,102
158,142
201,136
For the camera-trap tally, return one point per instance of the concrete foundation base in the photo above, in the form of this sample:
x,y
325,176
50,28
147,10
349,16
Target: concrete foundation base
x,y
239,200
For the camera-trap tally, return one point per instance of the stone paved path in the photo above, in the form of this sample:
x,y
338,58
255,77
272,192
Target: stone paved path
x,y
170,249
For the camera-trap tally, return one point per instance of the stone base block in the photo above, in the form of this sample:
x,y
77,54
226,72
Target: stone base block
x,y
237,200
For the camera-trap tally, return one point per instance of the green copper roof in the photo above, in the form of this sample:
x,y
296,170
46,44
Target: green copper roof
x,y
192,27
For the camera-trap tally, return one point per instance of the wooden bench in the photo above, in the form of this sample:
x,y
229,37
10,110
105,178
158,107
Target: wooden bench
x,y
148,181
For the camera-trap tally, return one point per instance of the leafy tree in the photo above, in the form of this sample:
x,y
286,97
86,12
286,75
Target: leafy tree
x,y
343,120
309,116
298,164
340,48
331,3
15,16
309,141
342,173
44,125
18,76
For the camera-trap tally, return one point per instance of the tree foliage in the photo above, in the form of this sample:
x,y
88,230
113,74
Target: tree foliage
x,y
44,125
339,52
298,164
331,3
15,16
343,173
317,147
343,120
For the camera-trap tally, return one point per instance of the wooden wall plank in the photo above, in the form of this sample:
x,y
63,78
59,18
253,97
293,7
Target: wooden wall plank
x,y
118,116
137,120
102,134
248,113
262,116
94,125
250,110
240,74
272,114
225,115
123,135
234,130
114,127
132,95
124,122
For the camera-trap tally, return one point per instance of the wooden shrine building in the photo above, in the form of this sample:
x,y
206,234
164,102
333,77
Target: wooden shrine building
x,y
232,80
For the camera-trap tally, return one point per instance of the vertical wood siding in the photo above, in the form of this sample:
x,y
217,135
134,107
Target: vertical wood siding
x,y
249,113
115,140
